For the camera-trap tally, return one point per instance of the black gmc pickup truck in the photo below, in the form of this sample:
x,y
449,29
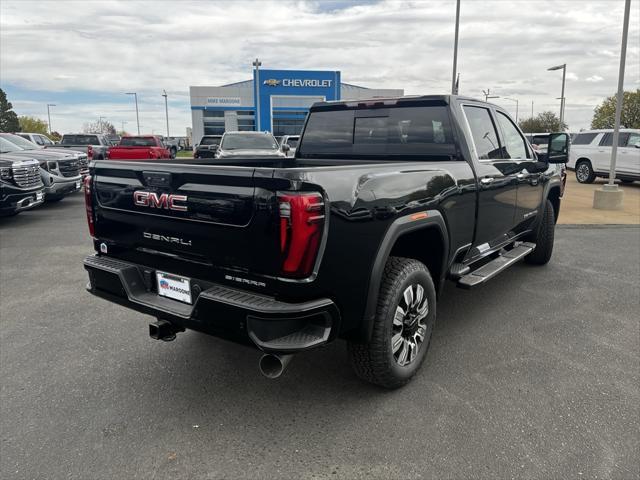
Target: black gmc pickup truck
x,y
352,238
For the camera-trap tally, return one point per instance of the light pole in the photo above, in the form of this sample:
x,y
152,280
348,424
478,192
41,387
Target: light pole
x,y
610,197
166,110
454,90
49,114
100,124
564,76
122,122
616,126
487,95
257,63
135,95
514,100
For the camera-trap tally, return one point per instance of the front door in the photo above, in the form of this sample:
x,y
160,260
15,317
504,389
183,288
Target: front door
x,y
497,178
628,162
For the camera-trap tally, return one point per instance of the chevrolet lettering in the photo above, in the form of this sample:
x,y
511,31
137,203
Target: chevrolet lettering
x,y
297,82
164,200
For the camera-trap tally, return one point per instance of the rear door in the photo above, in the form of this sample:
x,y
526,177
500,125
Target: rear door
x,y
529,192
497,177
212,215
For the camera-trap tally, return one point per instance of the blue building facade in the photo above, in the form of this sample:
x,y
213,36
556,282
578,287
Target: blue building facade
x,y
273,100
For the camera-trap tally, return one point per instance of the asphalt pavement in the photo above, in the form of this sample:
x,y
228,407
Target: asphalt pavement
x,y
535,375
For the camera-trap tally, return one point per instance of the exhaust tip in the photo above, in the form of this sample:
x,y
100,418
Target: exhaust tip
x,y
272,366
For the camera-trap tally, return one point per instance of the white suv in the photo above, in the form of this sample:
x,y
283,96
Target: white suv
x,y
590,155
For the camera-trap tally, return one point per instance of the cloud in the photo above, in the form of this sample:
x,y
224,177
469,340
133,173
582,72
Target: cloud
x,y
594,78
105,48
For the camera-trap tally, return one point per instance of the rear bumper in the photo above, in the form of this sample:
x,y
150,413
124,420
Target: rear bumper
x,y
245,317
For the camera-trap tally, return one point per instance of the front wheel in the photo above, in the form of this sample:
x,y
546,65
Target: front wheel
x,y
584,172
543,238
402,327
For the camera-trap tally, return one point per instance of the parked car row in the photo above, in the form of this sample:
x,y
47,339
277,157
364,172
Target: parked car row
x,y
31,174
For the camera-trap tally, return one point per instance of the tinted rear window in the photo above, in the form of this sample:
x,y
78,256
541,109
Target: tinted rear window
x,y
210,141
583,138
80,140
397,131
138,142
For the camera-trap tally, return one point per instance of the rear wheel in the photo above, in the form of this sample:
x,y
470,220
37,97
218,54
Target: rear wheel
x,y
584,172
402,328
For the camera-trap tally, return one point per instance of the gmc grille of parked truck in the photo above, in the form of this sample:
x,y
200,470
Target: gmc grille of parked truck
x,y
352,238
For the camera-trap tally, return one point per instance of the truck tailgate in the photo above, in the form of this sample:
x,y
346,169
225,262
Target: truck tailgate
x,y
213,215
133,153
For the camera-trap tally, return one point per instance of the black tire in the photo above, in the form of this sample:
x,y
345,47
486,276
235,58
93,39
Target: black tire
x,y
376,361
626,181
173,152
584,172
543,238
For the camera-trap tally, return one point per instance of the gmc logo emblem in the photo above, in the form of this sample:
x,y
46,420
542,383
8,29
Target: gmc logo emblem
x,y
164,200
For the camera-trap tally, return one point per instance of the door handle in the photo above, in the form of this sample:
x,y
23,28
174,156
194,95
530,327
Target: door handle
x,y
520,176
486,180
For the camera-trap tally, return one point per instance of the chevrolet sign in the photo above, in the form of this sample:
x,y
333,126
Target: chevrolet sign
x,y
299,82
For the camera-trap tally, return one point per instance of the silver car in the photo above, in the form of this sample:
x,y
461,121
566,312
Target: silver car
x,y
249,144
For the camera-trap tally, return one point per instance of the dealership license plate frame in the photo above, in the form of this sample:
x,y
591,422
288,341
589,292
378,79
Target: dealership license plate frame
x,y
177,281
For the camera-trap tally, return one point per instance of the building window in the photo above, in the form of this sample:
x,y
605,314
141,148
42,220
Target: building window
x,y
289,122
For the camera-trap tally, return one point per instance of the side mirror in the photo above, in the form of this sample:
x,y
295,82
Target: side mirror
x,y
285,148
558,148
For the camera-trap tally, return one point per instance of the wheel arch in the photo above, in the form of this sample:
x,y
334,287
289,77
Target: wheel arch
x,y
554,197
405,237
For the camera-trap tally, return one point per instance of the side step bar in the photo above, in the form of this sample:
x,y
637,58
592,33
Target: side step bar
x,y
494,267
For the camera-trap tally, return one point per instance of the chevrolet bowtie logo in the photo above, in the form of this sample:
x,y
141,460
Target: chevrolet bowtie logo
x,y
272,82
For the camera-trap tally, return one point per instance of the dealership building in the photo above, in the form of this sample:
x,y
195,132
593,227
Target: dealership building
x,y
274,100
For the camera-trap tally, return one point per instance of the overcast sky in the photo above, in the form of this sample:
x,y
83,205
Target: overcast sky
x,y
83,55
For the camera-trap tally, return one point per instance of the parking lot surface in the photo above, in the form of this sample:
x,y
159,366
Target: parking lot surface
x,y
535,375
577,204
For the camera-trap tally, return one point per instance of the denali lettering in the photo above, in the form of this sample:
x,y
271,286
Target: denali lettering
x,y
163,238
164,200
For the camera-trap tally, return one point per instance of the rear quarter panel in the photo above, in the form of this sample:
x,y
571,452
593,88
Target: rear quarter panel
x,y
364,201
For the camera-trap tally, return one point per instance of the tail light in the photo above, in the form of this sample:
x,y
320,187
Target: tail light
x,y
90,152
88,201
301,225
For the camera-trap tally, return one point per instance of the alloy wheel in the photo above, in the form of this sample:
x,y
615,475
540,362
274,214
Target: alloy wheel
x,y
583,172
409,325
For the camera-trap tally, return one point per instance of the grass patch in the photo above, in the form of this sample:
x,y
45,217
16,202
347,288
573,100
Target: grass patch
x,y
184,154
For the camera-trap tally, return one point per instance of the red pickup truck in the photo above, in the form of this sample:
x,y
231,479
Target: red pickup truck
x,y
147,147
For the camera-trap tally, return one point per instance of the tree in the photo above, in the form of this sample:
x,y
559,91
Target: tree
x,y
604,114
542,123
101,126
8,118
33,125
55,136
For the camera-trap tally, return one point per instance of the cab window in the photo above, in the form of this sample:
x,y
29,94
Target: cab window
x,y
514,143
483,132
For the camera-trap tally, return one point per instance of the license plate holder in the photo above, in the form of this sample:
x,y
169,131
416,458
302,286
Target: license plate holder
x,y
39,196
175,287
